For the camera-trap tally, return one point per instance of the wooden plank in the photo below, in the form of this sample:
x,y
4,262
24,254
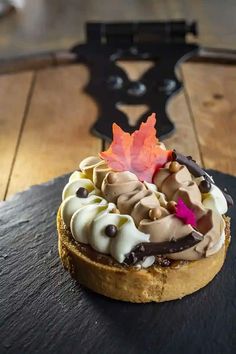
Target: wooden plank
x,y
184,138
211,92
135,68
14,91
216,21
217,26
56,135
27,62
36,61
36,18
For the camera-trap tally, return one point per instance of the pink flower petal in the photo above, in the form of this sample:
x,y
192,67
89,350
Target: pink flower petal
x,y
185,214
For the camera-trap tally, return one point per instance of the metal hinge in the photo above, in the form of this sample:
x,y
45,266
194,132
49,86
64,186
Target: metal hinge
x,y
140,32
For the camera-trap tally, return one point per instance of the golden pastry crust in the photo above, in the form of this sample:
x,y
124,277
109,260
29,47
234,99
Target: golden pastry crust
x,y
105,276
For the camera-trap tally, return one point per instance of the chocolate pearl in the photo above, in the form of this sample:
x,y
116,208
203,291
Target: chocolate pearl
x,y
154,213
205,186
111,178
174,167
82,192
111,230
171,206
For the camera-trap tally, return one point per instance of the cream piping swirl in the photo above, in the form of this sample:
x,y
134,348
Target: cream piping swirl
x,y
88,217
136,199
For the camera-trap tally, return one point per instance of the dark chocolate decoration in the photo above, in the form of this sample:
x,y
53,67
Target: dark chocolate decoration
x,y
205,186
146,249
111,230
82,192
190,158
229,199
192,166
197,171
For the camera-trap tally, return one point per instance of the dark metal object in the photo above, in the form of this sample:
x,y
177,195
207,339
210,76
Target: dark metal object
x,y
161,42
146,249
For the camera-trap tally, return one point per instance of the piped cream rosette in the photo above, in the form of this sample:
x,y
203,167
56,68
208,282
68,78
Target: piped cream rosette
x,y
88,218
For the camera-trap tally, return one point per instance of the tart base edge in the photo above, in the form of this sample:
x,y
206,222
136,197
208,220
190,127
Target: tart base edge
x,y
156,283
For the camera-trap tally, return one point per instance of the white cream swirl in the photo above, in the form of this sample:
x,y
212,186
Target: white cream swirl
x,y
88,217
77,175
83,217
215,200
77,180
71,204
88,226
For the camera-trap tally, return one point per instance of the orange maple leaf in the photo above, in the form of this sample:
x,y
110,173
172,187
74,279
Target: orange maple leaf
x,y
137,152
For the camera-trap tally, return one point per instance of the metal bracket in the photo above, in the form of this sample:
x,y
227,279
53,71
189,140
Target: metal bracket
x,y
164,43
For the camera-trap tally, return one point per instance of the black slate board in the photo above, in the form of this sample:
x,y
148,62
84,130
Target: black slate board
x,y
42,310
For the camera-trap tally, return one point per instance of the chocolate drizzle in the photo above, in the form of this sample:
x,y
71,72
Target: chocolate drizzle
x,y
197,171
146,249
191,164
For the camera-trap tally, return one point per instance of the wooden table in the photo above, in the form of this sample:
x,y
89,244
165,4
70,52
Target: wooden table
x,y
59,24
44,131
45,118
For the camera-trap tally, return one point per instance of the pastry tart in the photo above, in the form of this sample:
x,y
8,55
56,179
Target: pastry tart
x,y
141,223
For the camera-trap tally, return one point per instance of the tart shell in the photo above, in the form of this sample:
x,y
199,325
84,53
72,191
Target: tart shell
x,y
105,276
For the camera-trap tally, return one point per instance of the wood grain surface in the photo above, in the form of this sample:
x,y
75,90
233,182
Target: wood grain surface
x,y
47,119
59,24
184,138
56,134
14,96
211,91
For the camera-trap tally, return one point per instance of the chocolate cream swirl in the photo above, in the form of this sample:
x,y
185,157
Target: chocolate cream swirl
x,y
132,197
209,222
